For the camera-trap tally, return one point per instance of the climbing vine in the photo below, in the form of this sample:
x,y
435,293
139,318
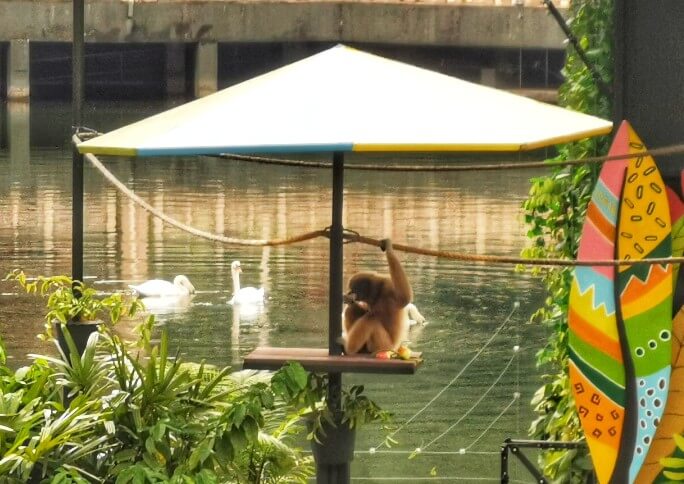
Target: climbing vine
x,y
554,212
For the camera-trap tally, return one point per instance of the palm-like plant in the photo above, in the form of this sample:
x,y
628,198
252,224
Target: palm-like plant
x,y
38,437
85,374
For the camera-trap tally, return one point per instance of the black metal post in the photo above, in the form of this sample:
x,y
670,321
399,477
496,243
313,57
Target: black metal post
x,y
619,57
335,473
336,282
336,256
513,447
505,477
78,73
598,79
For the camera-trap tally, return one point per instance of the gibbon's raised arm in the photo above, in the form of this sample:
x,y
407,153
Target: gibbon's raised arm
x,y
402,286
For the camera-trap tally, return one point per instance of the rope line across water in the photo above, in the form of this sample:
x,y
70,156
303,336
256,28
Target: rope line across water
x,y
455,378
351,236
474,406
505,165
516,398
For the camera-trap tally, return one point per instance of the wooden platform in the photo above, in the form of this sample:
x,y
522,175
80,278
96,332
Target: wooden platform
x,y
319,360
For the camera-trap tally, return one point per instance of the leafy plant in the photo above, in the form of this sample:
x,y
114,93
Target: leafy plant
x,y
72,301
117,414
38,436
555,211
309,392
272,458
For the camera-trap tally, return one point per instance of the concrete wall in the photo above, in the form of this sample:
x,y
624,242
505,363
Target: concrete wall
x,y
430,24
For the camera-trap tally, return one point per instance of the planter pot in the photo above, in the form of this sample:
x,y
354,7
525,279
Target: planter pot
x,y
336,446
80,332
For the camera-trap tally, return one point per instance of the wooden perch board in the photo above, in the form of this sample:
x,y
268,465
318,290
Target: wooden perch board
x,y
318,359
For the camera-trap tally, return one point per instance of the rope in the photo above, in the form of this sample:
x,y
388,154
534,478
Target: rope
x,y
514,260
516,397
473,406
458,375
506,165
351,236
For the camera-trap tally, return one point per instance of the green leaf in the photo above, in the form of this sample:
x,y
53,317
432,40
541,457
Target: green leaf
x,y
675,462
674,476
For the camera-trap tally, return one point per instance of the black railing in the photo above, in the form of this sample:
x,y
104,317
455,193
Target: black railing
x,y
515,447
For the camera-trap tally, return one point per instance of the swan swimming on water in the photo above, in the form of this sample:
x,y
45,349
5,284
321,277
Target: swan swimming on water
x,y
244,295
181,286
414,315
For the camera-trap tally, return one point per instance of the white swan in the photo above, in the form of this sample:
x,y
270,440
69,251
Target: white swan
x,y
414,315
181,286
244,295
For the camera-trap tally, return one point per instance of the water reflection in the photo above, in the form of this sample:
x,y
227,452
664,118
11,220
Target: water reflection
x,y
132,245
160,305
18,134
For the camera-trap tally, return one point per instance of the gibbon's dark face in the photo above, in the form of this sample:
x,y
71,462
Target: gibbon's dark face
x,y
365,287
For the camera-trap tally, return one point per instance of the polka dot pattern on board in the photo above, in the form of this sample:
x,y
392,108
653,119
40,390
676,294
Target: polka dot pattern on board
x,y
651,398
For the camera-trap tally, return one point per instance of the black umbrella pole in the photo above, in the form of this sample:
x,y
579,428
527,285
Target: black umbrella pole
x,y
334,472
77,216
78,74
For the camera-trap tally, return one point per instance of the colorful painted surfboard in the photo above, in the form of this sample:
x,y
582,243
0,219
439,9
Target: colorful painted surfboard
x,y
645,302
597,374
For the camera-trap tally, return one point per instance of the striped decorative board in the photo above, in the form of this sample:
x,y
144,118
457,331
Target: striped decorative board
x,y
645,301
620,321
597,373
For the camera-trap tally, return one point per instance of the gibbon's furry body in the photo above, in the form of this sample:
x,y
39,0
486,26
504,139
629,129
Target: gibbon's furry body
x,y
376,318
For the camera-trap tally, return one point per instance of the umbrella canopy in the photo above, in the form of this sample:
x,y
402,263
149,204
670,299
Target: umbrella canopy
x,y
343,99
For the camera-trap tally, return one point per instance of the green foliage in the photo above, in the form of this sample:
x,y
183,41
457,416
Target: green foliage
x,y
309,393
555,212
145,420
69,301
192,423
121,414
673,466
38,435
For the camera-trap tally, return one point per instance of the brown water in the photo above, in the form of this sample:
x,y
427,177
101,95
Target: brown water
x,y
464,304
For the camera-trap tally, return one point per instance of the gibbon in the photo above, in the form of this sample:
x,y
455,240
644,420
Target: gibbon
x,y
376,317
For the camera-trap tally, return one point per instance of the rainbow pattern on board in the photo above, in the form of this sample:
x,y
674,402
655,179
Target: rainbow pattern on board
x,y
620,321
645,295
597,372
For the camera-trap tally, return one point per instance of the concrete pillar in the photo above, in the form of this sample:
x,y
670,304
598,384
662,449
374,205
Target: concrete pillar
x,y
206,69
18,82
175,70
